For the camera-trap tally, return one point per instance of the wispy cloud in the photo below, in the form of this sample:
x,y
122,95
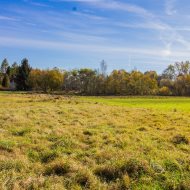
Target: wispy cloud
x,y
170,7
35,3
113,5
145,25
7,18
151,21
85,47
114,28
89,16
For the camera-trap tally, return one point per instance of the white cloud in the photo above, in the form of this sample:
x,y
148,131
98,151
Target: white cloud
x,y
85,47
8,18
35,3
145,25
113,5
71,27
89,16
151,21
170,7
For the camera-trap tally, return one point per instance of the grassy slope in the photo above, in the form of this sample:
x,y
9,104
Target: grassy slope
x,y
54,142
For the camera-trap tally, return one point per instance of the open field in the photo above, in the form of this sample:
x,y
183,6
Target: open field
x,y
59,142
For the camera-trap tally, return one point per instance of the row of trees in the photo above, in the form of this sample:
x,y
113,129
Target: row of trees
x,y
175,80
15,76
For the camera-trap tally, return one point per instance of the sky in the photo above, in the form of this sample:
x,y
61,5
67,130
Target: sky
x,y
127,34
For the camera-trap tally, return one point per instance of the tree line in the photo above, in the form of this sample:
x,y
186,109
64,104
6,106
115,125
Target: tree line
x,y
175,80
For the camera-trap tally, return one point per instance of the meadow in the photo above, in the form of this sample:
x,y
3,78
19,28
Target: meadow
x,y
104,143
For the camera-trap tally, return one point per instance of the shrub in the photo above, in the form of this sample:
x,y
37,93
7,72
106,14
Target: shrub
x,y
165,91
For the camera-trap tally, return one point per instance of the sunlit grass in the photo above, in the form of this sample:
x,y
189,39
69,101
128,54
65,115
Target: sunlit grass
x,y
164,103
59,142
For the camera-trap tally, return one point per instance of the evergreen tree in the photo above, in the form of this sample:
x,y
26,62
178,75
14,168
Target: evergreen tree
x,y
23,75
4,66
6,81
8,71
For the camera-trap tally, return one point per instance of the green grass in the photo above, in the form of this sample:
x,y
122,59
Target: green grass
x,y
160,103
61,142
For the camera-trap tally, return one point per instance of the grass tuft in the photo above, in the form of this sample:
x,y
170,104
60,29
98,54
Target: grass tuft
x,y
58,167
180,139
107,173
21,132
84,178
14,165
88,133
7,145
135,168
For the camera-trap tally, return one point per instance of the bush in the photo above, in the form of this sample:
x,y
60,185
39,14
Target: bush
x,y
165,91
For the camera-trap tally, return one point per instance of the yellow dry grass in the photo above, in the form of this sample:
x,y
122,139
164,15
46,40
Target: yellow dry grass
x,y
60,142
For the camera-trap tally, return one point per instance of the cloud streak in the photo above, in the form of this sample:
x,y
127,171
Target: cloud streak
x,y
6,18
87,47
170,8
114,5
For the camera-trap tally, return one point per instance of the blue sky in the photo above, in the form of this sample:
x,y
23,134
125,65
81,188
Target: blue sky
x,y
127,34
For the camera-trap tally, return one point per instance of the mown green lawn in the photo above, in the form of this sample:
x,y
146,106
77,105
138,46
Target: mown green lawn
x,y
159,103
115,143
